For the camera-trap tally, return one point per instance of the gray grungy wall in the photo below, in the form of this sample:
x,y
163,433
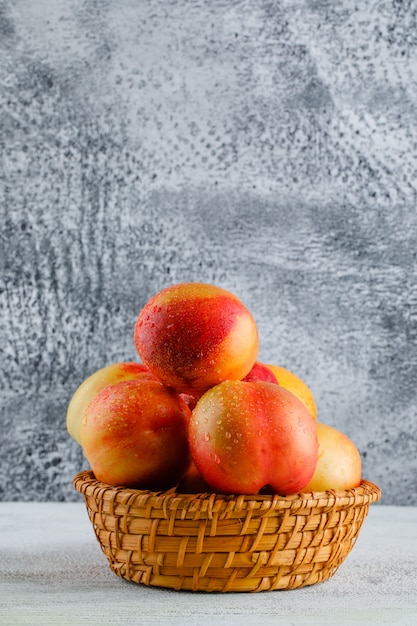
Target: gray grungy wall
x,y
267,147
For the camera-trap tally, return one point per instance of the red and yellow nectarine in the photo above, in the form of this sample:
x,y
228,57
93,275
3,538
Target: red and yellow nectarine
x,y
91,386
134,434
245,435
260,371
296,385
339,463
193,336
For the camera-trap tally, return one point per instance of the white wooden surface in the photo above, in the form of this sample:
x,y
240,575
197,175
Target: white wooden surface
x,y
52,571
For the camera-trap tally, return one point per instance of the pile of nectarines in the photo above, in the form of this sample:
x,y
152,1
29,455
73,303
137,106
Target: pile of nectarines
x,y
201,413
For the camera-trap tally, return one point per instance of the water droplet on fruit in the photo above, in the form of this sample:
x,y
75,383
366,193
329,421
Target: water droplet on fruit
x,y
207,437
216,459
227,435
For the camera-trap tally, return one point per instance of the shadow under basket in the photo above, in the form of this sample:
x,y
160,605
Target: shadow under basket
x,y
214,542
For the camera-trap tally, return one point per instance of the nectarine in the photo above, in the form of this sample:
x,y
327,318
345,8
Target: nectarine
x,y
296,385
339,464
245,435
193,336
134,434
261,372
109,375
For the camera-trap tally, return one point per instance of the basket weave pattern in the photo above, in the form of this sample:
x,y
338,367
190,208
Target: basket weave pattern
x,y
212,542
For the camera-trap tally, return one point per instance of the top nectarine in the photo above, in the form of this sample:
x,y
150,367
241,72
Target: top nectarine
x,y
195,335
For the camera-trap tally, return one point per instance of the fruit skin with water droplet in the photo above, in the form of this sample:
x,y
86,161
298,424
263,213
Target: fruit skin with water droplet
x,y
261,372
245,435
134,434
296,385
91,386
193,336
339,464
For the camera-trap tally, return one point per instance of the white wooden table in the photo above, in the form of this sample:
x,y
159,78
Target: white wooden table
x,y
52,571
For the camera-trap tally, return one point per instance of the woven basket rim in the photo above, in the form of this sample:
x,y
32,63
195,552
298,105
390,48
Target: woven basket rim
x,y
366,493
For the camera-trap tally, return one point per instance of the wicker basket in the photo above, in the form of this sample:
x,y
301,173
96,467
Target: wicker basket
x,y
213,542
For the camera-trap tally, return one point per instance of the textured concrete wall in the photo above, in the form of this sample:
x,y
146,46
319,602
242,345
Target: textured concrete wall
x,y
267,147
